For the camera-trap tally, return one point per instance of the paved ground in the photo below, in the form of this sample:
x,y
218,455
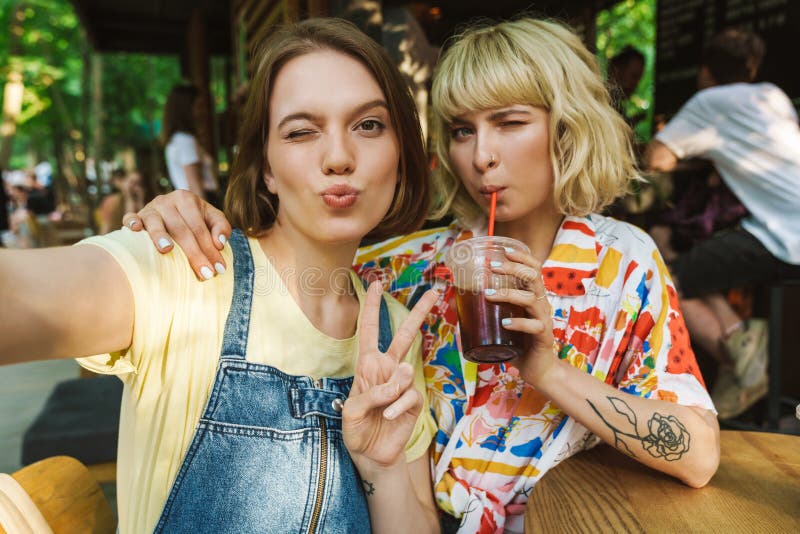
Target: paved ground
x,y
24,388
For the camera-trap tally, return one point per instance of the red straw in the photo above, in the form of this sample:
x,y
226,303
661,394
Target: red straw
x,y
491,213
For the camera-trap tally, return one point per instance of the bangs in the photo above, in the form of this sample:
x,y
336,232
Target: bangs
x,y
484,71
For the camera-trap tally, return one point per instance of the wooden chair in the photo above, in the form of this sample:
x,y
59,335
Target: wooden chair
x,y
65,494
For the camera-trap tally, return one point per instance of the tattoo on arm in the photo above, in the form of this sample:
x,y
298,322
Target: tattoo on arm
x,y
667,437
369,487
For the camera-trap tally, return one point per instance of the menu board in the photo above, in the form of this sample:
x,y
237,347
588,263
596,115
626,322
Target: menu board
x,y
684,26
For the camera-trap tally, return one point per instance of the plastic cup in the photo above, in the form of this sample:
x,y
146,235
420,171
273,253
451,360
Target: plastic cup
x,y
483,338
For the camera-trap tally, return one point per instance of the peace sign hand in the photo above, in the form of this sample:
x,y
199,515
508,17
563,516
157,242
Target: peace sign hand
x,y
382,408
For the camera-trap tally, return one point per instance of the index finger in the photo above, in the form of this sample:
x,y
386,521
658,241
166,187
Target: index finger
x,y
526,269
405,335
368,331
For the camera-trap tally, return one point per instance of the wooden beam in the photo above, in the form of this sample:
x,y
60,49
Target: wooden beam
x,y
318,8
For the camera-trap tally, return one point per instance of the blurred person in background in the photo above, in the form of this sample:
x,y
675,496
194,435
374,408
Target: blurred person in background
x,y
41,200
129,193
625,71
749,132
189,166
23,231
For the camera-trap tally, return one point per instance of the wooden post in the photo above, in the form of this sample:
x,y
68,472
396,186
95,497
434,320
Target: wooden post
x,y
317,8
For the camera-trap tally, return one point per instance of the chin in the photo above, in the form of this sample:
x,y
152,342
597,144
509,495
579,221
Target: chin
x,y
342,234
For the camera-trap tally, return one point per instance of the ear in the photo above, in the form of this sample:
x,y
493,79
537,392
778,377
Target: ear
x,y
269,179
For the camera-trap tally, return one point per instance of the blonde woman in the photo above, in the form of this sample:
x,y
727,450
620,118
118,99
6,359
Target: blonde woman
x,y
521,110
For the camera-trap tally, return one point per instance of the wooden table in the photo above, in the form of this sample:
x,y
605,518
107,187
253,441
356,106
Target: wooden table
x,y
756,489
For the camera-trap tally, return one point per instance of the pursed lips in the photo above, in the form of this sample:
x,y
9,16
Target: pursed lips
x,y
340,196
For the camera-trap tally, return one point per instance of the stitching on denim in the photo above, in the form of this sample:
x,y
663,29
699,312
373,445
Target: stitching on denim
x,y
257,431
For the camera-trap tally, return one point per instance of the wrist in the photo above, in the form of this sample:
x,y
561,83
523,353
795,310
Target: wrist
x,y
547,376
368,467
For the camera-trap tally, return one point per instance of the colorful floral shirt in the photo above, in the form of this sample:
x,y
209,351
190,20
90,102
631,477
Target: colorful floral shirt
x,y
616,316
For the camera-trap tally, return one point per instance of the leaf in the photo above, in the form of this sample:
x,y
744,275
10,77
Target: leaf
x,y
623,409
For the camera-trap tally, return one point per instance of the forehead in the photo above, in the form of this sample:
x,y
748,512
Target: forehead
x,y
322,81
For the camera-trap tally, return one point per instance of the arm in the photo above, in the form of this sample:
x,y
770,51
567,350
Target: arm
x,y
678,440
107,213
62,303
681,441
199,228
194,176
658,157
378,419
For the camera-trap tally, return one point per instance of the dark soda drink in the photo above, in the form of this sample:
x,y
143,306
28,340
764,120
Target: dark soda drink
x,y
483,338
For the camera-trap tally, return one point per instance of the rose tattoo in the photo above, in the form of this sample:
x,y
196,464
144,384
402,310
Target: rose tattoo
x,y
667,437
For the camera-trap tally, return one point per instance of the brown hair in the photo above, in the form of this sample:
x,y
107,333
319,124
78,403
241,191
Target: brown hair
x,y
734,56
248,203
179,112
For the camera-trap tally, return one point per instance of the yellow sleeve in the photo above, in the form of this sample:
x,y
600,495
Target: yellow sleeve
x,y
425,429
155,281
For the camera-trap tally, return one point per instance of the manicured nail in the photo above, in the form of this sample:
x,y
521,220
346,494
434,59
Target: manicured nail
x,y
164,243
489,291
508,250
222,240
206,273
495,264
506,322
132,223
219,268
388,413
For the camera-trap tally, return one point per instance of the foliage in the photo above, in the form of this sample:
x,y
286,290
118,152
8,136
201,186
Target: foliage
x,y
631,22
54,56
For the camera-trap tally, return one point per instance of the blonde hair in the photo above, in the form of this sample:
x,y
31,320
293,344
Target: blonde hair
x,y
538,63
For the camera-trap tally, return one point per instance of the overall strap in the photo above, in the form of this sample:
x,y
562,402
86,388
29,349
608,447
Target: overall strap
x,y
384,324
234,341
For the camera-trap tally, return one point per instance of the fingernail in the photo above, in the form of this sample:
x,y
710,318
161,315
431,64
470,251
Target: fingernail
x,y
219,268
222,240
206,273
506,322
495,264
509,250
131,223
489,291
388,413
164,243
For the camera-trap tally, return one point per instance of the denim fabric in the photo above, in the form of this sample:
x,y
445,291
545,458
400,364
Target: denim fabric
x,y
255,463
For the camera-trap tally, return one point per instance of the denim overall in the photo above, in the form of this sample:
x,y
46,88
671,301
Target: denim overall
x,y
268,454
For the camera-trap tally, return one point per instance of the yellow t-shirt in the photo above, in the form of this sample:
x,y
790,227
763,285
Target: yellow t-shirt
x,y
169,369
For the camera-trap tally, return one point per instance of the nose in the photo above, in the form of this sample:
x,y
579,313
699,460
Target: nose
x,y
339,157
484,156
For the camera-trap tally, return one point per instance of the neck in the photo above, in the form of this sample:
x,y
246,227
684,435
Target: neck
x,y
317,276
537,230
309,268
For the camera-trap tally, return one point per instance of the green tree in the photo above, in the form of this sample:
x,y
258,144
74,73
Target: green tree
x,y
631,22
49,47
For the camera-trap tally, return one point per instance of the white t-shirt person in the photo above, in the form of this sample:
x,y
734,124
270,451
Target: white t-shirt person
x,y
181,150
750,134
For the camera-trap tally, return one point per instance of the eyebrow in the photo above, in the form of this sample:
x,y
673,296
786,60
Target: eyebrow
x,y
503,113
497,115
304,115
